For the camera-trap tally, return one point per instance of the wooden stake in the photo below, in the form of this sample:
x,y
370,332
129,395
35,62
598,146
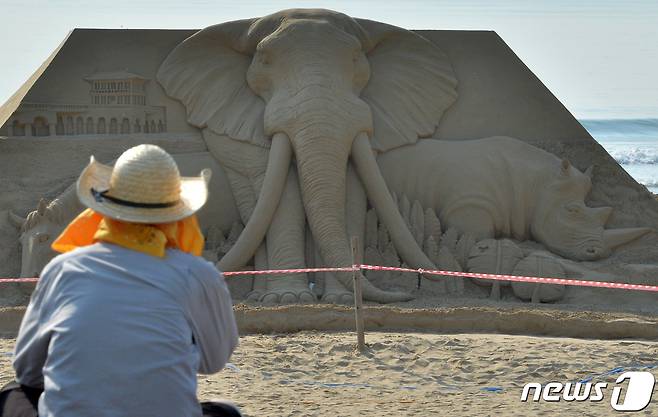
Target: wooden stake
x,y
358,297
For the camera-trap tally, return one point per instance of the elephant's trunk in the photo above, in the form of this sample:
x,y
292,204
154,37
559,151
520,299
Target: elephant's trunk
x,y
322,165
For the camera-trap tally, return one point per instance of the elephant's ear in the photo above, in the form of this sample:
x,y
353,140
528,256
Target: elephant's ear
x,y
411,85
207,73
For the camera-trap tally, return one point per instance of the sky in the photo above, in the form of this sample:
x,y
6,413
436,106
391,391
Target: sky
x,y
599,57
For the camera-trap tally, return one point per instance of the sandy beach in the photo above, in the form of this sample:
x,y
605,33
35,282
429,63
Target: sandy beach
x,y
413,374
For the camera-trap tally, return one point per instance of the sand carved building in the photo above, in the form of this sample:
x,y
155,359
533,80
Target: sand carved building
x,y
117,105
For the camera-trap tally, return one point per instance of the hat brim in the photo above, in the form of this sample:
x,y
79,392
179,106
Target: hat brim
x,y
193,195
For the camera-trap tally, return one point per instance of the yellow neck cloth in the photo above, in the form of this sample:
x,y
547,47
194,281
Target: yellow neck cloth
x,y
152,239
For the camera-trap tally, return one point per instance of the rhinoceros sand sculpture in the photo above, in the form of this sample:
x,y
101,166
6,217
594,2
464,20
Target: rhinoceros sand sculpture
x,y
503,187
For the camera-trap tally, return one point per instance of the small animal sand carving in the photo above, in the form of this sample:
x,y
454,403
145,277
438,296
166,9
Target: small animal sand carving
x,y
493,256
539,264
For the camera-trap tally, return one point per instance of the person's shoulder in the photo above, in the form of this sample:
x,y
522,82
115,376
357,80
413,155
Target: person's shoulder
x,y
62,262
63,258
196,275
79,253
198,265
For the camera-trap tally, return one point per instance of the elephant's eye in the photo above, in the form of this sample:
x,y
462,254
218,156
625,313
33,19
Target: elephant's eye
x,y
43,237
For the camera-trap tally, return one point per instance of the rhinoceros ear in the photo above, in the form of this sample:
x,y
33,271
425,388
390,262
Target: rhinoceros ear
x,y
589,171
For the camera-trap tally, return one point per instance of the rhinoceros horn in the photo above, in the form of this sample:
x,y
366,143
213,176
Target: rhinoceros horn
x,y
618,237
15,220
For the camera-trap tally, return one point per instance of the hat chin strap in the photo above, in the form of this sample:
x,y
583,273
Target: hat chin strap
x,y
101,196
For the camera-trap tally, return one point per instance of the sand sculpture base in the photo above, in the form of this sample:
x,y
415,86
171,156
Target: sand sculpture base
x,y
505,318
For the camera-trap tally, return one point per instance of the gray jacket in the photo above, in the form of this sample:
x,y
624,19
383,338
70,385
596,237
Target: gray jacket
x,y
115,332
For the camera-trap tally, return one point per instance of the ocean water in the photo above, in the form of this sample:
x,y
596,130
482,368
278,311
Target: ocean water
x,y
633,143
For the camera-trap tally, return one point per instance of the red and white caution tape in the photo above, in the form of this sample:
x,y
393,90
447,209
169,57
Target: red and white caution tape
x,y
237,273
518,278
291,271
424,272
18,280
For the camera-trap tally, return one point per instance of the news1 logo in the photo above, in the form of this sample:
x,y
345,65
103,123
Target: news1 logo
x,y
637,394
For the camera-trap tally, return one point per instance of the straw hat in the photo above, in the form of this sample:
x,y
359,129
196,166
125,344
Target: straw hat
x,y
143,187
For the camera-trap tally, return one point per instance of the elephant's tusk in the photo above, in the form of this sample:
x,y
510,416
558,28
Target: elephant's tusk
x,y
381,199
267,203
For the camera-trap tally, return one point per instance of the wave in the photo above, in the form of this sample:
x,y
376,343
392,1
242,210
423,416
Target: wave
x,y
633,143
629,141
645,174
650,183
635,155
622,127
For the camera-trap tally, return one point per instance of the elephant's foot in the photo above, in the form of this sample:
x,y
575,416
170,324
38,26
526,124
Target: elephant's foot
x,y
286,289
338,297
254,297
288,296
335,292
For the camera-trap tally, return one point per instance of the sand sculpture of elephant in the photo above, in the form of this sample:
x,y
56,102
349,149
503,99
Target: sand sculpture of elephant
x,y
311,94
503,187
44,224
